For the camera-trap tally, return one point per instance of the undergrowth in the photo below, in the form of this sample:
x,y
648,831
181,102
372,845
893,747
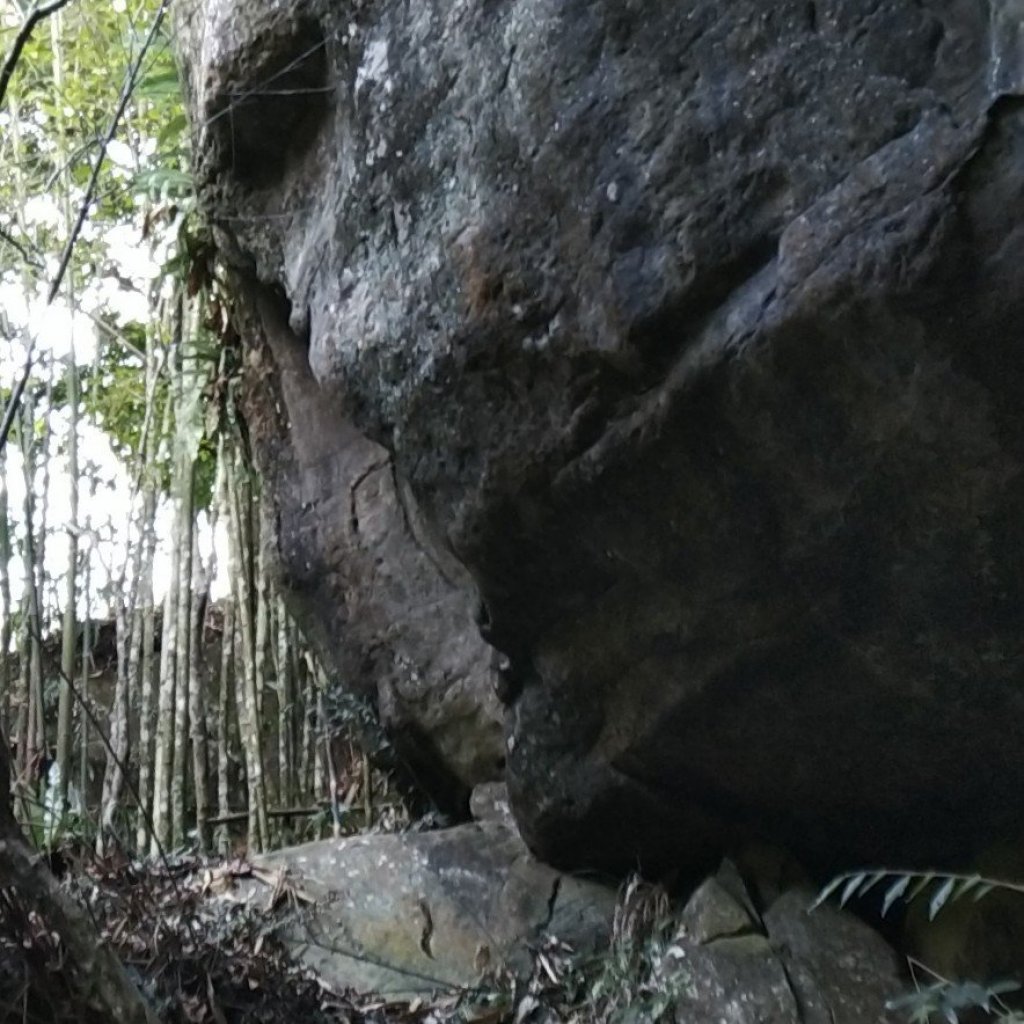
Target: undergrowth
x,y
942,999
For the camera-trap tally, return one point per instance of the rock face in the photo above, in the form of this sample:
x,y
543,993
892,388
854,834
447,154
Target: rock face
x,y
398,915
786,965
406,915
677,343
391,613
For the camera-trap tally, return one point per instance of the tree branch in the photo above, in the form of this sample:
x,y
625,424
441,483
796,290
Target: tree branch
x,y
272,812
35,16
94,972
126,94
15,400
32,261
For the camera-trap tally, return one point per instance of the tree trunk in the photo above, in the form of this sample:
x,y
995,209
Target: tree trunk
x,y
35,739
307,742
83,689
6,608
150,483
65,705
117,752
242,574
285,710
164,740
183,684
225,699
196,701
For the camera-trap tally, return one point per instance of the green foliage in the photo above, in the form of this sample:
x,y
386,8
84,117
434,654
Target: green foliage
x,y
97,44
946,1000
907,886
67,86
114,393
114,396
640,980
346,713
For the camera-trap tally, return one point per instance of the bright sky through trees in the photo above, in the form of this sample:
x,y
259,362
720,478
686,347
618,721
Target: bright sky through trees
x,y
58,109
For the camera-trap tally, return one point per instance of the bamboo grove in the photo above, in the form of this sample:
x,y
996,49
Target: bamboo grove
x,y
154,690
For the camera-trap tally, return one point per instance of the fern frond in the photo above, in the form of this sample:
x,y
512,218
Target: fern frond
x,y
906,886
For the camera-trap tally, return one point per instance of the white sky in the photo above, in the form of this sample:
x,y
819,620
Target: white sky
x,y
105,487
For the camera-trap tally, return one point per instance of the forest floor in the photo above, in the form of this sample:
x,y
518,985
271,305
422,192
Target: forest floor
x,y
198,959
195,958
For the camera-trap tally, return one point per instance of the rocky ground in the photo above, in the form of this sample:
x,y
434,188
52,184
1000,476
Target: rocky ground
x,y
227,941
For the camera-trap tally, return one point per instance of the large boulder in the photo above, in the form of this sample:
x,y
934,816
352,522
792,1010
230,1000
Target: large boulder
x,y
466,908
391,614
679,344
401,915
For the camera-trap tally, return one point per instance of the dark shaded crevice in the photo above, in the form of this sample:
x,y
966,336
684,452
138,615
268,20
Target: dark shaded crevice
x,y
354,490
662,338
794,990
288,88
433,785
556,886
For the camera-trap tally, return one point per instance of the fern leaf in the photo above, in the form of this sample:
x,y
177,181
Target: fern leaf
x,y
965,885
894,892
922,883
872,881
940,898
851,887
825,893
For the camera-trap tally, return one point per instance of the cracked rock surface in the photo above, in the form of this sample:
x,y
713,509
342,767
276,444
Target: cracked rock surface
x,y
406,915
787,965
676,345
400,915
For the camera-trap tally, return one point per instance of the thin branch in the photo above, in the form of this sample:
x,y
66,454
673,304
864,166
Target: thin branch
x,y
97,977
33,18
29,258
131,81
272,812
15,400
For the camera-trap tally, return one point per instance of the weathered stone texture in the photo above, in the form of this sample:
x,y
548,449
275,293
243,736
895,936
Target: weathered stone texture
x,y
398,915
688,335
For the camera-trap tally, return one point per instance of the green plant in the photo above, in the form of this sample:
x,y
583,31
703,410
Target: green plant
x,y
943,999
948,999
907,886
639,978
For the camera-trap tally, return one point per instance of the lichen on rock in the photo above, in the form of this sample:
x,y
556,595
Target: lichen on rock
x,y
678,346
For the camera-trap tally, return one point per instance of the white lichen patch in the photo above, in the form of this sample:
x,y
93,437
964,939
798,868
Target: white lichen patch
x,y
374,67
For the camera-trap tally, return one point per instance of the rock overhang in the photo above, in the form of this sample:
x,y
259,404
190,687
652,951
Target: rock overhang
x,y
692,334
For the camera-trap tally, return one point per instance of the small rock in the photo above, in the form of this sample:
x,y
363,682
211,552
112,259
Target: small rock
x,y
489,802
713,913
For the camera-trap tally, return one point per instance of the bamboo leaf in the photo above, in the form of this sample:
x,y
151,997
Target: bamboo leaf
x,y
172,130
873,881
965,885
159,85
